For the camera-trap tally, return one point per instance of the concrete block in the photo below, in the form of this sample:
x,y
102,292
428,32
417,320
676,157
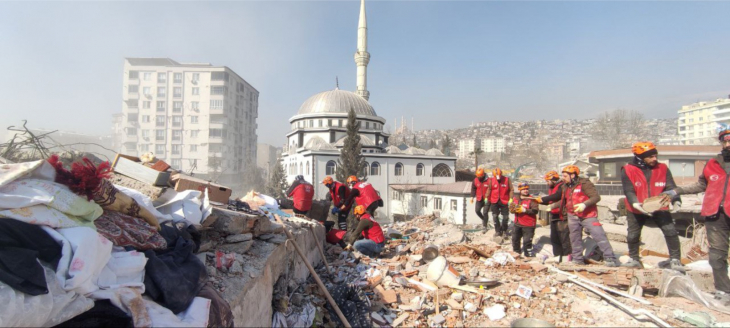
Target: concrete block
x,y
239,248
239,238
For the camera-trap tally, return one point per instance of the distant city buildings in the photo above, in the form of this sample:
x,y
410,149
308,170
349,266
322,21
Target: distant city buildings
x,y
487,145
199,118
266,156
697,124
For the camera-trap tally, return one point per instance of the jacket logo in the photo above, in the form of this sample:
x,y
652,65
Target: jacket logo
x,y
637,183
714,177
659,184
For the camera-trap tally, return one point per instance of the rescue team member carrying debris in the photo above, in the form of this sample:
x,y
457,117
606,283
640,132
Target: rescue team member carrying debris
x,y
559,232
362,193
301,193
643,178
500,192
715,208
479,190
373,239
338,193
578,198
525,220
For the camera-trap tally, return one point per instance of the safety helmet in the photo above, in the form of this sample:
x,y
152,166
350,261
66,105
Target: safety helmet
x,y
352,179
299,178
723,130
496,172
642,147
552,175
327,180
480,173
571,169
359,210
523,186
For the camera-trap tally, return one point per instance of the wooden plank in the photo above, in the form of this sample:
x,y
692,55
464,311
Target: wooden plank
x,y
126,166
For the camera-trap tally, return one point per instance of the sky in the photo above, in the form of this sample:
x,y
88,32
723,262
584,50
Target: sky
x,y
444,63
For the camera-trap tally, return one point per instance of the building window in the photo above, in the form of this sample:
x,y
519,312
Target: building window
x,y
339,123
176,149
218,90
176,135
311,123
160,135
131,131
308,168
147,76
177,107
219,76
453,205
330,168
329,122
424,201
301,168
161,91
420,169
144,148
160,149
365,169
146,104
161,77
132,118
320,123
682,168
133,75
437,203
194,133
145,134
176,163
367,125
441,171
375,168
193,119
177,92
195,105
398,169
145,118
196,77
193,148
609,170
196,91
216,104
147,91
160,106
160,120
178,78
216,133
397,195
133,89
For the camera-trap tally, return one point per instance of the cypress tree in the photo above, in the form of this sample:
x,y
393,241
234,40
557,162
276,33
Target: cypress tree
x,y
351,161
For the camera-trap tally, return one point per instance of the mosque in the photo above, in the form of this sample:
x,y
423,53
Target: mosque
x,y
318,133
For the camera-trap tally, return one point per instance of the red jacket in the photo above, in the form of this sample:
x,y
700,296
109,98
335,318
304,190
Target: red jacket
x,y
716,193
302,196
552,191
480,188
642,187
527,218
499,190
574,196
366,194
334,192
375,233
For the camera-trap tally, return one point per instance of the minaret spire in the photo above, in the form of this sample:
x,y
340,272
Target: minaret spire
x,y
362,56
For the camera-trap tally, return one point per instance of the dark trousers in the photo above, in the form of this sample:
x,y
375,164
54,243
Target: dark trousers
x,y
666,224
372,207
559,236
718,231
518,234
499,208
342,219
483,212
296,211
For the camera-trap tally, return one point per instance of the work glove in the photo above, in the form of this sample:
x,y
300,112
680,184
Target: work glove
x,y
519,209
511,201
335,210
675,207
348,247
486,202
579,208
670,193
637,206
342,207
538,199
471,201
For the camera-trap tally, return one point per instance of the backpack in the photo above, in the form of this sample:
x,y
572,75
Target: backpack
x,y
591,250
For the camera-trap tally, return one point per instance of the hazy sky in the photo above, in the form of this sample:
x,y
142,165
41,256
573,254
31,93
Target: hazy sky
x,y
446,63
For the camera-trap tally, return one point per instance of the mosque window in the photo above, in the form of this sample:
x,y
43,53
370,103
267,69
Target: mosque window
x,y
442,170
339,123
365,169
420,169
311,123
301,168
367,125
307,168
329,122
330,168
398,169
375,168
319,123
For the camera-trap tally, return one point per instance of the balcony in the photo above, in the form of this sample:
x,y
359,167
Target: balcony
x,y
217,111
130,138
132,96
217,125
215,139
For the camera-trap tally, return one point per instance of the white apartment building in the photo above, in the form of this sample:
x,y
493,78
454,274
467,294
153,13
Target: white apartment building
x,y
488,145
198,118
466,147
492,145
698,122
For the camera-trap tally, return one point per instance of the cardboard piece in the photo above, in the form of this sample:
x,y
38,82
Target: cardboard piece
x,y
216,192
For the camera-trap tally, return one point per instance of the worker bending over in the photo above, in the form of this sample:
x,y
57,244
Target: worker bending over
x,y
362,193
338,193
301,193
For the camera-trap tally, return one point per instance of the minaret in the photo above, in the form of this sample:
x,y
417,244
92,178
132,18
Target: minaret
x,y
362,56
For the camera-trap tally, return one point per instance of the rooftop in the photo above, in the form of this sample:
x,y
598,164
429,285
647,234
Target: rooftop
x,y
456,188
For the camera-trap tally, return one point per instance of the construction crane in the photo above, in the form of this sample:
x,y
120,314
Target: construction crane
x,y
516,174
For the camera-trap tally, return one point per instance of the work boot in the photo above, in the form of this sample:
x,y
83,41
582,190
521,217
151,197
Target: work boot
x,y
528,253
611,263
633,264
673,264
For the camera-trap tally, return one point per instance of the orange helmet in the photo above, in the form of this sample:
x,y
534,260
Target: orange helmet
x,y
496,172
328,180
552,175
642,147
480,173
523,186
352,179
359,210
571,169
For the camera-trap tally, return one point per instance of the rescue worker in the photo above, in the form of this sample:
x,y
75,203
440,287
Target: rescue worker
x,y
373,239
716,210
362,193
645,177
500,192
479,190
338,193
559,232
525,220
301,193
578,198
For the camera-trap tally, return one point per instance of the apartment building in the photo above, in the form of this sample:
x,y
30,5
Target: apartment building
x,y
199,118
492,145
698,122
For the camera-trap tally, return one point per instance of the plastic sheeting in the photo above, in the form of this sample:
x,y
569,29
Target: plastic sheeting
x,y
185,206
676,284
22,310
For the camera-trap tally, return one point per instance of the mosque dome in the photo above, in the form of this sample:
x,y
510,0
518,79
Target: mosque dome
x,y
336,101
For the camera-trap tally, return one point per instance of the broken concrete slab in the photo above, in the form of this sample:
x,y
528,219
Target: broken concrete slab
x,y
239,238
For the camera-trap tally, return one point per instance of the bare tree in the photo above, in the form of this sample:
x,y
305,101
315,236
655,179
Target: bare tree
x,y
620,128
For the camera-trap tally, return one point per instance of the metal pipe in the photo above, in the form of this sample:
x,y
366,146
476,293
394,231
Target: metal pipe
x,y
606,288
